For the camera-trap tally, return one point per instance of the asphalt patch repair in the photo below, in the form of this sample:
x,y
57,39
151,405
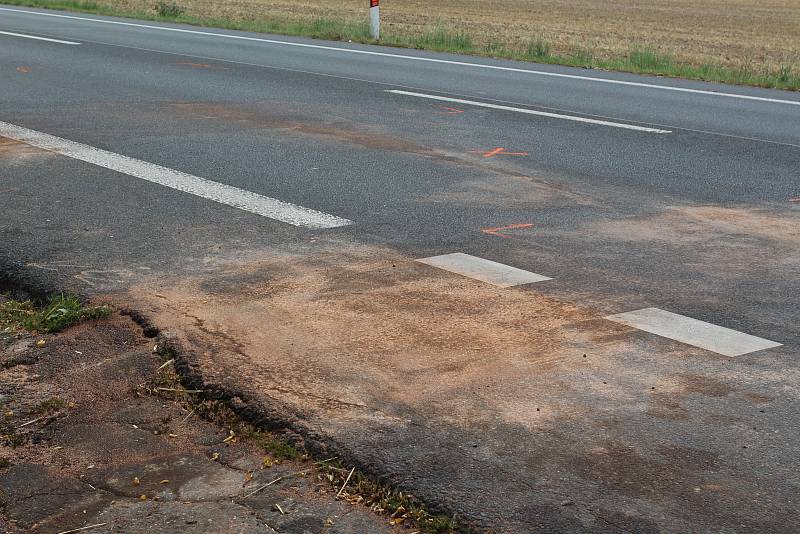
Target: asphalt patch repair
x,y
88,439
512,411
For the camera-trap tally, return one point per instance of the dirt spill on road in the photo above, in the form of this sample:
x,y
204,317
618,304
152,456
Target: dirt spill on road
x,y
282,119
17,153
298,122
514,192
447,385
367,329
690,225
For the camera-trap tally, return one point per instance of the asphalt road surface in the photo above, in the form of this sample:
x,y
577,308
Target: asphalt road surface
x,y
603,334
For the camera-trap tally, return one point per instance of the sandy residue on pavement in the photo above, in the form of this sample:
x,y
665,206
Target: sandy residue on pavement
x,y
17,153
355,332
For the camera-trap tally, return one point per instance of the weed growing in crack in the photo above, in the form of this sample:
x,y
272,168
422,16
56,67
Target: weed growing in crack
x,y
278,448
400,506
13,439
49,406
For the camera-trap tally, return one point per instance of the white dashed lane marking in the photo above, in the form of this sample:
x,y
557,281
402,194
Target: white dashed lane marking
x,y
693,332
37,38
222,193
526,111
487,271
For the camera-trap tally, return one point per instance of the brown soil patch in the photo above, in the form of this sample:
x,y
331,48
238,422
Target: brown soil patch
x,y
276,119
509,192
743,240
758,398
691,225
16,153
623,467
704,385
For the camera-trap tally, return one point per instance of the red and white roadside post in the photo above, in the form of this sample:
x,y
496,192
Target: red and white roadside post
x,y
375,19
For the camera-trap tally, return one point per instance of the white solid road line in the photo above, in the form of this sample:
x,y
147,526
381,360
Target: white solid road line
x,y
181,181
419,58
693,332
38,38
531,112
487,271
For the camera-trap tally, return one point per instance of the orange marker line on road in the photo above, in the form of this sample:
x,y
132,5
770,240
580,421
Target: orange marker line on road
x,y
496,231
493,153
795,200
23,70
496,152
197,65
448,111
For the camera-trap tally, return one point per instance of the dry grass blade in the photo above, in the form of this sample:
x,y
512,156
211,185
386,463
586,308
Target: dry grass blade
x,y
345,482
87,527
268,484
32,421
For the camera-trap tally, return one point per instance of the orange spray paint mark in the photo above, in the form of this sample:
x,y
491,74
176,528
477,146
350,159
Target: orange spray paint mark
x,y
196,65
496,152
497,231
23,70
444,110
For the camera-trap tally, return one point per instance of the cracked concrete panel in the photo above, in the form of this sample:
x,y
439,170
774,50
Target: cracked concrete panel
x,y
32,493
188,518
113,453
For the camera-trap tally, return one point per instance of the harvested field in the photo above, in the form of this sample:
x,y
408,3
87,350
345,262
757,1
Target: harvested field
x,y
733,33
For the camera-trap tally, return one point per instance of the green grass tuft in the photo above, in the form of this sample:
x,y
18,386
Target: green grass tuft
x,y
169,10
648,59
538,49
581,57
444,40
49,406
278,448
496,49
61,311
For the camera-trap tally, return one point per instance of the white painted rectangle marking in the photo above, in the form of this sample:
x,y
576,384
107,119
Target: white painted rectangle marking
x,y
693,332
484,270
181,181
36,37
530,112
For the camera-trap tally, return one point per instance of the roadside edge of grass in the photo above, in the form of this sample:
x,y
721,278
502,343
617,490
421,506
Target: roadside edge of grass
x,y
642,59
